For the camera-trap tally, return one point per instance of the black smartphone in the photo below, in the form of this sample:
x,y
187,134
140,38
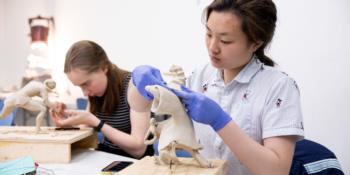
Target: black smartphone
x,y
116,166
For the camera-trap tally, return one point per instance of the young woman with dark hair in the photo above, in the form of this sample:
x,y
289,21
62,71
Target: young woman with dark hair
x,y
245,111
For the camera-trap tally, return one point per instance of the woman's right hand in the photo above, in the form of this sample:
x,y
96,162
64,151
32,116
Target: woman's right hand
x,y
77,117
203,109
57,112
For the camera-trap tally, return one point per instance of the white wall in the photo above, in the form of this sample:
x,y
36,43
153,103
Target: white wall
x,y
2,17
311,45
15,40
2,40
133,32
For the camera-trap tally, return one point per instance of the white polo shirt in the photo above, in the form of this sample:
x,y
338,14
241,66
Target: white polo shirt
x,y
263,101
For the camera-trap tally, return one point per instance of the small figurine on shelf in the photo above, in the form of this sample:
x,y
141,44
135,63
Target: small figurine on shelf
x,y
24,99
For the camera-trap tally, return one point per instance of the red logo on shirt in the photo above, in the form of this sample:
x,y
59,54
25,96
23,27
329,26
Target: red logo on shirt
x,y
205,87
278,103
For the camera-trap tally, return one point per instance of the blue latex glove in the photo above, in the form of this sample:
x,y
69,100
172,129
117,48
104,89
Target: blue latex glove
x,y
145,75
203,109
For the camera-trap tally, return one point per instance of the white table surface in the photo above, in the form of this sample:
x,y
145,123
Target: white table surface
x,y
83,161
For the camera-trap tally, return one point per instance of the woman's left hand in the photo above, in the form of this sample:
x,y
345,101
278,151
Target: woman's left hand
x,y
77,117
146,75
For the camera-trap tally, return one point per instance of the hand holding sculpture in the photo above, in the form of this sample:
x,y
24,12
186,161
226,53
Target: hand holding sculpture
x,y
203,109
146,75
176,132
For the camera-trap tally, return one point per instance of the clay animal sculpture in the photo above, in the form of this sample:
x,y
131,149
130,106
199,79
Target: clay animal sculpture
x,y
24,99
177,132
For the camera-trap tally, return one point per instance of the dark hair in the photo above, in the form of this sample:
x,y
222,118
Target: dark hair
x,y
258,21
89,56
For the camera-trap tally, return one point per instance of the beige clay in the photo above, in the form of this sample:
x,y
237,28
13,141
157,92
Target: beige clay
x,y
23,98
177,74
175,133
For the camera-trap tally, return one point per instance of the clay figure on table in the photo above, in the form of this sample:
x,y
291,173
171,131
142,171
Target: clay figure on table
x,y
24,99
176,132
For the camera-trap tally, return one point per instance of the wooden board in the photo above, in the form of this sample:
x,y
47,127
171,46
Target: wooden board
x,y
47,146
188,166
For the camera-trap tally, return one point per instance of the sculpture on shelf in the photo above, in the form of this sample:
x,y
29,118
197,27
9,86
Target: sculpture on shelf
x,y
24,99
177,131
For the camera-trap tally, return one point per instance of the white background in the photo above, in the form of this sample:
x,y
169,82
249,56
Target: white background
x,y
311,44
